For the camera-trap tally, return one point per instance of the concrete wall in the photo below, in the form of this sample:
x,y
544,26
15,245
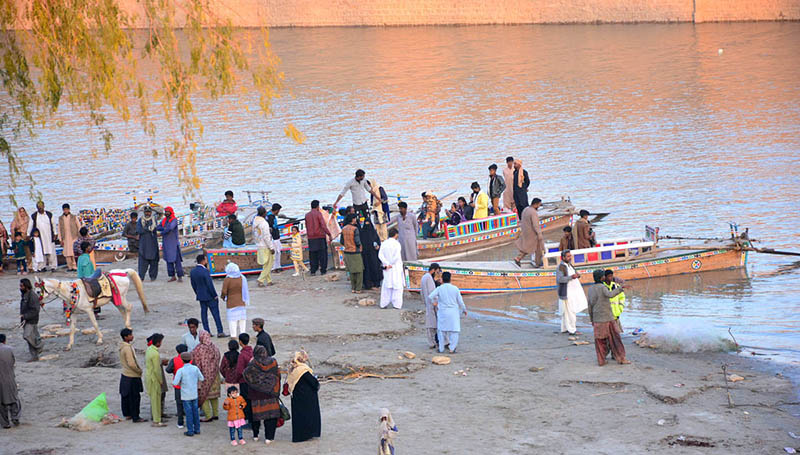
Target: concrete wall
x,y
315,13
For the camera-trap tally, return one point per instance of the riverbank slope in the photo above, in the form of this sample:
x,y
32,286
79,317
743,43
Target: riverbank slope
x,y
511,388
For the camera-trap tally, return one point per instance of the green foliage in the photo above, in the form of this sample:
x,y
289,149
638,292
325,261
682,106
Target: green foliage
x,y
86,54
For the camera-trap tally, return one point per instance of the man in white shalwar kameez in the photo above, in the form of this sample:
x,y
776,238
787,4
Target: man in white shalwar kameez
x,y
390,255
426,288
43,221
449,306
263,240
571,298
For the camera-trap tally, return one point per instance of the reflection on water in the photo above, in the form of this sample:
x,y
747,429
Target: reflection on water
x,y
648,122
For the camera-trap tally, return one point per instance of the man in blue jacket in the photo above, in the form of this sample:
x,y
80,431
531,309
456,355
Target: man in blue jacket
x,y
206,294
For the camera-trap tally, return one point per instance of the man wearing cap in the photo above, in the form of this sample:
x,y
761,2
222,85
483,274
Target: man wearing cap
x,y
148,244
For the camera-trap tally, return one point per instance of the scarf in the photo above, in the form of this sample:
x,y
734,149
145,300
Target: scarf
x,y
149,222
206,357
169,215
520,175
297,368
232,271
21,224
262,373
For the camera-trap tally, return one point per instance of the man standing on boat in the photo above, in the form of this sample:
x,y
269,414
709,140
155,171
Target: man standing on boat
x,y
317,233
584,238
530,239
407,229
497,187
571,298
508,177
360,190
606,333
228,206
521,182
148,244
426,288
393,277
449,306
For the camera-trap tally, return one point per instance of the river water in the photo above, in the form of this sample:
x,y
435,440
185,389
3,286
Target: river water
x,y
680,126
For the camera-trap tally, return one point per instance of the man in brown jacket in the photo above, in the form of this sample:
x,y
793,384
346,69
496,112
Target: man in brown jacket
x,y
130,383
530,239
584,238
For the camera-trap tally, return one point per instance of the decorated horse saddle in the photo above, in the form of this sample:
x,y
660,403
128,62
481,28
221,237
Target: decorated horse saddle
x,y
98,285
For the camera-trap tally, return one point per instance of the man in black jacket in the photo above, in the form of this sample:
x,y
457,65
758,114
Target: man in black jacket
x,y
29,317
262,337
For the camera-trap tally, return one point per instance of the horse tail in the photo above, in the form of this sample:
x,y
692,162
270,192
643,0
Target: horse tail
x,y
134,276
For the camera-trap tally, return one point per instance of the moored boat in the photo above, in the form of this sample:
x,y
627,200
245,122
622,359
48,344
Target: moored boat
x,y
630,259
246,258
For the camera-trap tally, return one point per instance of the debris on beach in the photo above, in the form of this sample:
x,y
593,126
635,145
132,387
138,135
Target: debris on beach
x,y
366,302
441,360
535,369
51,327
460,373
47,357
735,378
92,416
572,338
580,343
671,339
409,355
332,277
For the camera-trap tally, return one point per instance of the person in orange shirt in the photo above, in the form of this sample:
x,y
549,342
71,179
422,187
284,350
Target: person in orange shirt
x,y
235,405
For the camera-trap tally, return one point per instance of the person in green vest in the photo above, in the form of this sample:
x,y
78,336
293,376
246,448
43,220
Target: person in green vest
x,y
85,265
617,302
154,381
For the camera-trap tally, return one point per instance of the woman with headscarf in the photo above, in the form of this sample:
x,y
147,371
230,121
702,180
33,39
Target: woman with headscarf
x,y
303,386
21,224
521,183
386,433
263,386
171,245
237,298
370,243
206,356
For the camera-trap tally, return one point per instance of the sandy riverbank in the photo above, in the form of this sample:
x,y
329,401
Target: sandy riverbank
x,y
527,390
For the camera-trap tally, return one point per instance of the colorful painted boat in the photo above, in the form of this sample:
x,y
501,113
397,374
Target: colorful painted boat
x,y
630,259
246,259
484,233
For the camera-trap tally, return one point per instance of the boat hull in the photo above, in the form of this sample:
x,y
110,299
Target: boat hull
x,y
511,279
246,259
433,248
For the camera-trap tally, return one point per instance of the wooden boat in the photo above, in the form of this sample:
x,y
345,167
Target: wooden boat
x,y
630,259
246,258
475,235
484,233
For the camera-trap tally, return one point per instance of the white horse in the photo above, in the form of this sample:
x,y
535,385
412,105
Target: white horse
x,y
66,290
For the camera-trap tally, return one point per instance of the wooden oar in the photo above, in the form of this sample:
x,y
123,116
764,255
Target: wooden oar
x,y
772,251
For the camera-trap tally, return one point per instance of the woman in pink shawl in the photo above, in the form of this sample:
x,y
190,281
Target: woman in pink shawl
x,y
206,357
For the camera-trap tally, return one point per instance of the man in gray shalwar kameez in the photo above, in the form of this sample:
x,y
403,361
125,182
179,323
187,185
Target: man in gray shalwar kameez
x,y
9,399
407,228
427,286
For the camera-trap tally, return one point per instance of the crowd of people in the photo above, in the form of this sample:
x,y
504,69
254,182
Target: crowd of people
x,y
248,375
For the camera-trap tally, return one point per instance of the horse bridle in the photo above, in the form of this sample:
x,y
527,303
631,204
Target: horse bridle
x,y
41,291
